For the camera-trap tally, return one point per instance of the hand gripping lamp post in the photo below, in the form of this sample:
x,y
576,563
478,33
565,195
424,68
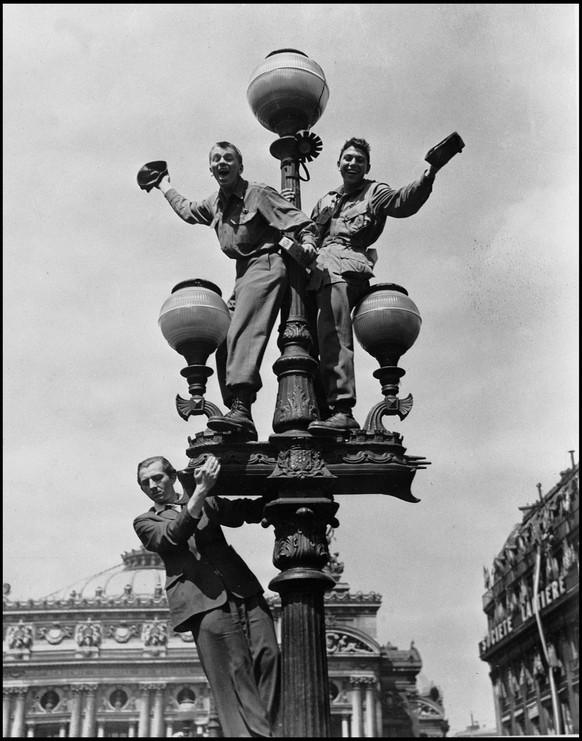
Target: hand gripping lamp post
x,y
299,474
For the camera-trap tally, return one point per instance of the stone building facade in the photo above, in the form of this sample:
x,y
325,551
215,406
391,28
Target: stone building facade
x,y
531,604
98,660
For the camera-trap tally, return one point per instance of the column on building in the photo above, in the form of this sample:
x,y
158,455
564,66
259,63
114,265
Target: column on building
x,y
18,728
379,719
29,730
88,730
370,684
157,729
131,733
5,711
345,726
169,728
76,692
143,730
100,729
356,707
62,731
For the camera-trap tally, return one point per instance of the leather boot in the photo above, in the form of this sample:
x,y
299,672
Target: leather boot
x,y
238,419
341,420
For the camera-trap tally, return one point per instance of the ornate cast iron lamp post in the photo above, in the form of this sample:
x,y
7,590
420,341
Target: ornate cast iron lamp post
x,y
298,474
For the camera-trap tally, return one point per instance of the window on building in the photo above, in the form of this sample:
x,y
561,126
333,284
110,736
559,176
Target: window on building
x,y
116,730
46,730
186,695
50,700
118,699
333,691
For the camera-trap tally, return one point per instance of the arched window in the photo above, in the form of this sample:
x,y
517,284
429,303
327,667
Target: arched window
x,y
186,695
333,691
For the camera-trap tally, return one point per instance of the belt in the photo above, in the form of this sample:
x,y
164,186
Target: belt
x,y
264,251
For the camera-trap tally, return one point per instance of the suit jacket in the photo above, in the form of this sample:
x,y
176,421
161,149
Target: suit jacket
x,y
200,565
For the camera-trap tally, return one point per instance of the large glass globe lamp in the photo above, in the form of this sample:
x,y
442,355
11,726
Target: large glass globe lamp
x,y
194,319
288,92
386,323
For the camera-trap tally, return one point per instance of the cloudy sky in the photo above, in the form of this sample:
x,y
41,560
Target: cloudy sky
x,y
91,92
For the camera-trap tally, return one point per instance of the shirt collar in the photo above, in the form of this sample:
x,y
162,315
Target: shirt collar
x,y
340,190
175,505
239,192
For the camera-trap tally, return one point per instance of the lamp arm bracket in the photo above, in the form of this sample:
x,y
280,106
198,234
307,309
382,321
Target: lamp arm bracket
x,y
389,406
196,406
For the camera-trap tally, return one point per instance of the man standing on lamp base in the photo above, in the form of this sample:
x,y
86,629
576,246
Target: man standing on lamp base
x,y
249,219
349,221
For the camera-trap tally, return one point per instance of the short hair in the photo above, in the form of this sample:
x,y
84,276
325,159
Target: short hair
x,y
167,467
360,144
227,145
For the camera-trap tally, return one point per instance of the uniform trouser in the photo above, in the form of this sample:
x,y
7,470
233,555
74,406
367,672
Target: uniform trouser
x,y
254,306
335,336
238,650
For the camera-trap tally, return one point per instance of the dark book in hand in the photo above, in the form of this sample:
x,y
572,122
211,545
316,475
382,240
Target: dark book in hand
x,y
445,150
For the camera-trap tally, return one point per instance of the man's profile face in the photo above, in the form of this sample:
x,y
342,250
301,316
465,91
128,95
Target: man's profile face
x,y
353,165
225,167
157,484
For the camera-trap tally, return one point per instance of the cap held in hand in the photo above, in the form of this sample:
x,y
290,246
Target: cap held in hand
x,y
151,174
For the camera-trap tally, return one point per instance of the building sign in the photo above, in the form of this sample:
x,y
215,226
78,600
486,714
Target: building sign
x,y
499,631
545,597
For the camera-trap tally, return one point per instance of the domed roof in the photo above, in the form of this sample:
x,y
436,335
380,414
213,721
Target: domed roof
x,y
141,574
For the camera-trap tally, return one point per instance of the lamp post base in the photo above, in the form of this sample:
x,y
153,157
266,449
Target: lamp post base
x,y
299,475
305,708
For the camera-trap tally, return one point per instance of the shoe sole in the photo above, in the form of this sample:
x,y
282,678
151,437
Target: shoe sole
x,y
323,430
237,428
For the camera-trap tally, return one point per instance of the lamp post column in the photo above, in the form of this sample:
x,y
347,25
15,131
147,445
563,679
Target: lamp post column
x,y
296,405
288,93
300,514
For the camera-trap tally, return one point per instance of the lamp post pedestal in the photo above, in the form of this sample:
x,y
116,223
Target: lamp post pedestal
x,y
301,514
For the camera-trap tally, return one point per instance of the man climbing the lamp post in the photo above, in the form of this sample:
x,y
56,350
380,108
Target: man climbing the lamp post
x,y
249,220
212,592
349,220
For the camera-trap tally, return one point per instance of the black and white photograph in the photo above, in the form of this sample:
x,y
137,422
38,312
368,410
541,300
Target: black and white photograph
x,y
291,365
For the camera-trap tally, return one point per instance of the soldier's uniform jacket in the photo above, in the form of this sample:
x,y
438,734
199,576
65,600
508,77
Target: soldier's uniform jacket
x,y
249,222
348,224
